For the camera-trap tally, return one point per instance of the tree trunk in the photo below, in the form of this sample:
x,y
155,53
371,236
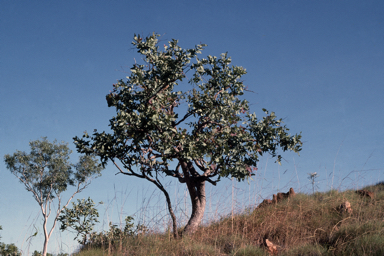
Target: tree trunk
x,y
196,188
174,223
46,237
173,216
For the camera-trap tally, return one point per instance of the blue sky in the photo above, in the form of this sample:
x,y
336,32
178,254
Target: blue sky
x,y
316,64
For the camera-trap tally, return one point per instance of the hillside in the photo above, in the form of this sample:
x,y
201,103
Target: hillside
x,y
318,224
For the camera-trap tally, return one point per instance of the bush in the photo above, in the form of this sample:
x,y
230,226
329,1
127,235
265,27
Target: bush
x,y
115,237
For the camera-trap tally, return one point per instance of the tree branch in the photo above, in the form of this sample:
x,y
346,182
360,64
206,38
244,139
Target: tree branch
x,y
184,118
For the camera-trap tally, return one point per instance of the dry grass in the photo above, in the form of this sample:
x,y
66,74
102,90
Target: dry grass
x,y
303,225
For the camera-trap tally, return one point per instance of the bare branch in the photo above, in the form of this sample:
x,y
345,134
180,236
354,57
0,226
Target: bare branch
x,y
132,173
213,182
185,117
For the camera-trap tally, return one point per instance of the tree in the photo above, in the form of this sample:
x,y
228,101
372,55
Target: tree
x,y
8,249
46,172
81,218
207,130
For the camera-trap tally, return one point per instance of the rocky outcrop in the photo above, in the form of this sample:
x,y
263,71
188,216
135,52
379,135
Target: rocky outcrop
x,y
265,203
282,196
277,198
366,193
274,199
291,192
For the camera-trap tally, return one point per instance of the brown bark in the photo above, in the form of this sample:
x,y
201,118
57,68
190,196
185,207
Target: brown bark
x,y
170,210
196,187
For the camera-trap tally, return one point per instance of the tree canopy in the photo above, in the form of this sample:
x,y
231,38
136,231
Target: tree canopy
x,y
206,129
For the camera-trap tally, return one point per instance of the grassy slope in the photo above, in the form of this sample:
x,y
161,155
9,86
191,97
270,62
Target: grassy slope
x,y
303,225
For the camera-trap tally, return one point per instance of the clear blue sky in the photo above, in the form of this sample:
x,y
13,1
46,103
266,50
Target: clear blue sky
x,y
317,64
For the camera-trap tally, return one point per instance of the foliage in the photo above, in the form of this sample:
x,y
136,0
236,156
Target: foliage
x,y
46,172
115,235
81,218
147,131
36,253
8,249
207,129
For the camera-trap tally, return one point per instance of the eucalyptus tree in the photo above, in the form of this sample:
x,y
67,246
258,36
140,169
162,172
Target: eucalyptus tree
x,y
206,130
46,172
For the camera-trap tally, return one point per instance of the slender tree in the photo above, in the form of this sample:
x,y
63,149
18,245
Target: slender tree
x,y
81,218
46,172
206,130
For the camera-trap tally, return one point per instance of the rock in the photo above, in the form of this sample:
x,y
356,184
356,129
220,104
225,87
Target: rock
x,y
345,207
291,192
274,199
366,193
277,198
271,248
265,203
282,196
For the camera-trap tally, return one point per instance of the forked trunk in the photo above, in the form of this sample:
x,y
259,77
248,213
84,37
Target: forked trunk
x,y
196,188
